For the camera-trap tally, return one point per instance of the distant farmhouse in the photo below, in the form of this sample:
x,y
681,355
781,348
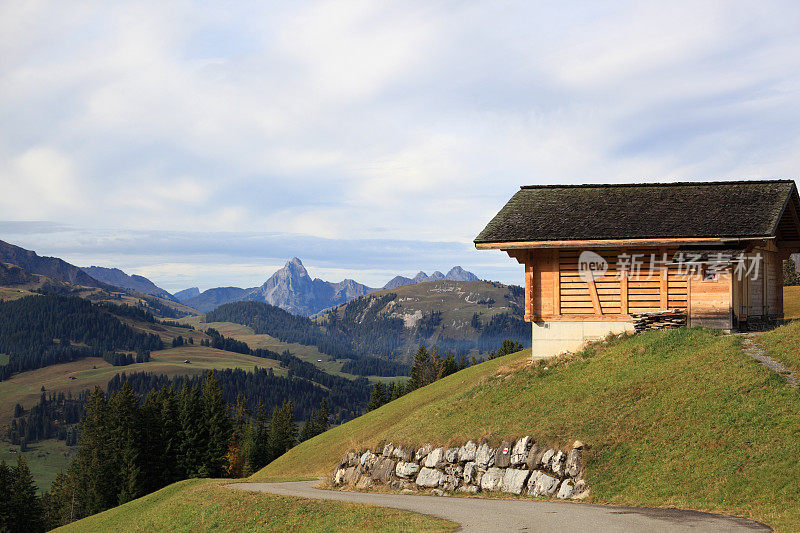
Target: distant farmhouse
x,y
599,257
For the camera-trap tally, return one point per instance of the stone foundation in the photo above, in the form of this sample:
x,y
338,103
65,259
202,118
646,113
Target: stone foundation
x,y
562,336
519,467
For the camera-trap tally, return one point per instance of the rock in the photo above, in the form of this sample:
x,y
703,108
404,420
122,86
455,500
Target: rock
x,y
383,470
502,457
477,476
534,457
408,485
435,458
469,489
451,455
492,478
545,486
429,477
349,459
578,445
519,454
514,480
367,461
484,455
351,475
454,470
403,454
422,453
557,463
573,466
449,483
395,485
408,491
469,472
467,452
338,476
437,492
547,457
581,490
532,480
406,470
387,450
566,490
365,483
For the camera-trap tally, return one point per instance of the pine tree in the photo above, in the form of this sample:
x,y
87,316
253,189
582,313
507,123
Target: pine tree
x,y
449,366
377,398
6,482
25,506
308,430
322,420
218,423
124,438
92,469
193,431
282,430
419,368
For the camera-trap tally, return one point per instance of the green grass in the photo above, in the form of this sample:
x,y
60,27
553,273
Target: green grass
x,y
782,344
791,302
679,418
206,505
25,388
45,459
309,354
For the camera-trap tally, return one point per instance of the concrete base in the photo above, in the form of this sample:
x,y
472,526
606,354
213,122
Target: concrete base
x,y
557,337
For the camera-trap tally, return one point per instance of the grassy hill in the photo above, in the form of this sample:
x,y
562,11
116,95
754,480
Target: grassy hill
x,y
679,418
203,505
25,388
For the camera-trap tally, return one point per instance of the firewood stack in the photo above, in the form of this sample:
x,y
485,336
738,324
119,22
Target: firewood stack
x,y
672,318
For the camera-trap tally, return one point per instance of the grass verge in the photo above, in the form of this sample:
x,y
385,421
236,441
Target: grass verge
x,y
207,505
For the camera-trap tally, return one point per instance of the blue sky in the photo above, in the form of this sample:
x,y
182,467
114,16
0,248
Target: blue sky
x,y
205,143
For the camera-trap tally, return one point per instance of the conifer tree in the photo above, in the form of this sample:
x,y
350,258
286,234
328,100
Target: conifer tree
x,y
282,430
25,506
6,482
218,423
377,397
193,431
323,417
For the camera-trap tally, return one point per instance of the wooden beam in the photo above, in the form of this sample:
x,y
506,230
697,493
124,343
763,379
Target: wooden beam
x,y
529,288
595,299
556,283
664,291
623,293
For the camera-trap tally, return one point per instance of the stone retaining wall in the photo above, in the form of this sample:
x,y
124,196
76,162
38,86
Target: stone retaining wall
x,y
519,467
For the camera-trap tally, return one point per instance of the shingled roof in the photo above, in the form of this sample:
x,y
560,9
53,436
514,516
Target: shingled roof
x,y
721,209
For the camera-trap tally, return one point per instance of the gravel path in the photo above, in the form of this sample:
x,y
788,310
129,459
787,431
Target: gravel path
x,y
482,515
754,350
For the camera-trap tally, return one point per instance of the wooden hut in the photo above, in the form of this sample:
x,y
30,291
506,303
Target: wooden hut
x,y
600,257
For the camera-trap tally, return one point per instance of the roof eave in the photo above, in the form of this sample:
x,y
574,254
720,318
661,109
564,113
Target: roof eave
x,y
600,243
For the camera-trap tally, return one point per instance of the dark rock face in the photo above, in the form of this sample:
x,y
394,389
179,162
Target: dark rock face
x,y
118,278
186,294
52,267
213,298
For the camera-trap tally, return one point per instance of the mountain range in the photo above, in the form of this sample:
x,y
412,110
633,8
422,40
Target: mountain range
x,y
52,267
292,288
118,278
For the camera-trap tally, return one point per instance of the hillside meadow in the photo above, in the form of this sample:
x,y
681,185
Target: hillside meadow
x,y
25,388
207,505
679,418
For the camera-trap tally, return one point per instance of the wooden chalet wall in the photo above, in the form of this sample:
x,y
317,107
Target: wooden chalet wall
x,y
556,292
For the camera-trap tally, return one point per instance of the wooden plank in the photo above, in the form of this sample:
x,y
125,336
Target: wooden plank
x,y
624,293
529,288
664,287
595,299
556,284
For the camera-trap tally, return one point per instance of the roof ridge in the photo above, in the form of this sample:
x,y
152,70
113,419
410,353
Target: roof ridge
x,y
657,184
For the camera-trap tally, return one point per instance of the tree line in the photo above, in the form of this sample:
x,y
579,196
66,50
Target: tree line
x,y
38,331
131,445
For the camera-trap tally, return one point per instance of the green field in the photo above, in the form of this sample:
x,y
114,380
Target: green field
x,y
791,302
206,505
45,459
307,353
25,388
679,418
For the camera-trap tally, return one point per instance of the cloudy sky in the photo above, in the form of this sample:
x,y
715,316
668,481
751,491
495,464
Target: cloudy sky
x,y
204,143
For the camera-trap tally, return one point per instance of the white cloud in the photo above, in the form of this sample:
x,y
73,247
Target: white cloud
x,y
379,120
